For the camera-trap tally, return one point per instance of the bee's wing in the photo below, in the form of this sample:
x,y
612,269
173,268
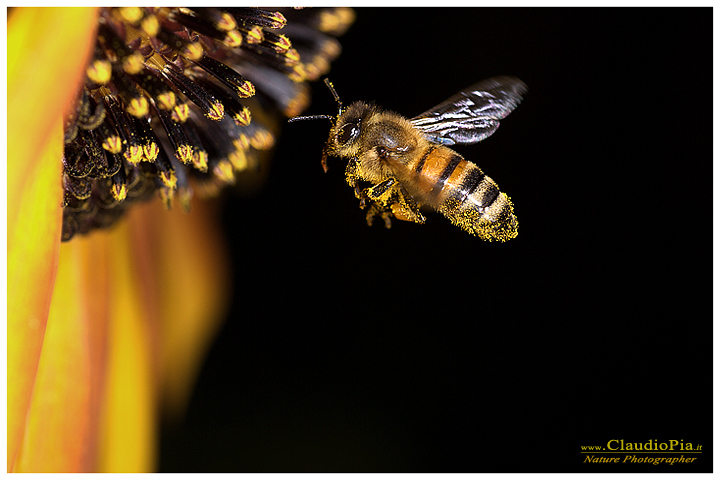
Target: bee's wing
x,y
473,114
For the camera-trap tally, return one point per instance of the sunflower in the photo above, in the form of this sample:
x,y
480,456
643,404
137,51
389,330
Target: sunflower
x,y
118,107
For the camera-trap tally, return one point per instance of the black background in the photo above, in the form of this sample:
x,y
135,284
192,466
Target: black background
x,y
422,349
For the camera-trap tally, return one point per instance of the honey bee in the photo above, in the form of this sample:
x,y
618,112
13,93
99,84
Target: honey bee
x,y
408,163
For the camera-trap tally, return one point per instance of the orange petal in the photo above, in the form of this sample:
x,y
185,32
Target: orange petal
x,y
47,50
128,417
186,252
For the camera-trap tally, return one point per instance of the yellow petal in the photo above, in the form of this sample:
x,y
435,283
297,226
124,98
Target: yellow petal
x,y
47,49
61,433
132,311
170,292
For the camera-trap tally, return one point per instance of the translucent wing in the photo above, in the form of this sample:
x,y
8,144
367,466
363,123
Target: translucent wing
x,y
473,114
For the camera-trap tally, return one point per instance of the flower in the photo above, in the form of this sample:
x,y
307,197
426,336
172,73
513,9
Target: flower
x,y
106,330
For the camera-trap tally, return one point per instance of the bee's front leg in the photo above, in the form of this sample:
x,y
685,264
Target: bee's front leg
x,y
352,177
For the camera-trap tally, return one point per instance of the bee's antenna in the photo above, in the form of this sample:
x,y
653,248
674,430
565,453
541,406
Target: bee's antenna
x,y
334,94
326,117
311,117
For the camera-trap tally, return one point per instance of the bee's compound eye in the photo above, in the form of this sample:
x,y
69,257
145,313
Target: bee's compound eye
x,y
348,132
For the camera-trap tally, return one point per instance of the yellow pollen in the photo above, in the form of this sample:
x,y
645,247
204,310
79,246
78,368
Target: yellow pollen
x,y
278,19
200,159
99,71
337,21
166,100
130,14
224,171
291,57
138,107
133,154
242,142
233,39
331,48
255,35
262,140
193,51
113,144
226,23
185,153
133,63
119,192
150,152
298,73
238,160
246,90
150,25
169,179
181,113
217,112
243,118
282,44
297,104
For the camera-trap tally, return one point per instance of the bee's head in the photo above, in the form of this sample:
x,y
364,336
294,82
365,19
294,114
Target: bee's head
x,y
345,129
348,130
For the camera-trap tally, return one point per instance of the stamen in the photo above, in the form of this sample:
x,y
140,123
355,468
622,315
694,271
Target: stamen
x,y
166,170
259,17
150,80
200,156
210,106
252,34
176,135
279,43
228,76
118,189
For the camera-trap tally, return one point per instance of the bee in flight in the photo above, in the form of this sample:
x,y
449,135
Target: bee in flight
x,y
408,163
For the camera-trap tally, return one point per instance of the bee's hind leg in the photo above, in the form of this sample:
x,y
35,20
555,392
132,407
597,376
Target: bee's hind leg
x,y
405,207
391,199
381,196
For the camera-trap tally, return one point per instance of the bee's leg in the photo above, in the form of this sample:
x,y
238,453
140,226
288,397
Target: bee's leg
x,y
378,209
382,191
382,196
405,208
391,199
352,178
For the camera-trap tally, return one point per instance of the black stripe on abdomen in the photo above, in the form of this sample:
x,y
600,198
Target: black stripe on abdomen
x,y
471,181
425,156
447,171
488,196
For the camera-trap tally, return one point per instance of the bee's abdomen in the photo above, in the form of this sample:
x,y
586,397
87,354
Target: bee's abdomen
x,y
468,197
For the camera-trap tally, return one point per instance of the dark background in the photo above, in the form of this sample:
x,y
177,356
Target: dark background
x,y
423,349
